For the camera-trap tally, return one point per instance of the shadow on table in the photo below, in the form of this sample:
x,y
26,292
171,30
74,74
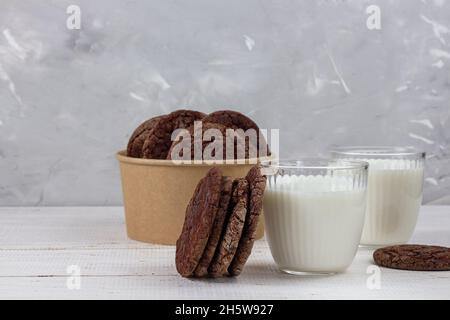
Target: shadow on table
x,y
259,273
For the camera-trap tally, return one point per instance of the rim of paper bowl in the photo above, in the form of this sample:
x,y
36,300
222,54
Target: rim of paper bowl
x,y
122,157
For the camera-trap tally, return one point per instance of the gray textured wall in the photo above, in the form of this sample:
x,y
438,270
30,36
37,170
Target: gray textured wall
x,y
70,98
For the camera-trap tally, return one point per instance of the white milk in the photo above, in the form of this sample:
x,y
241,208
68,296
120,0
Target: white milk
x,y
394,195
313,223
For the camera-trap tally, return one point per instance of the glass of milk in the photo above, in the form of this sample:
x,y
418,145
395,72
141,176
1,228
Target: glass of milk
x,y
314,213
394,192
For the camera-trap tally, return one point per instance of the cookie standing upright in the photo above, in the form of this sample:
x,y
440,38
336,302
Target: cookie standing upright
x,y
229,242
413,257
231,119
199,219
257,184
199,136
236,120
159,140
221,215
137,139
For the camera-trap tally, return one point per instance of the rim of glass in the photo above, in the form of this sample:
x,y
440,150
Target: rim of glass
x,y
316,163
377,151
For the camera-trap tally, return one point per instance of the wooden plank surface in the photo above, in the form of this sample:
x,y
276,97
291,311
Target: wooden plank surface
x,y
38,245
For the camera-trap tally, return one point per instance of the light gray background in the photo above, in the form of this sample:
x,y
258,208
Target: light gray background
x,y
70,98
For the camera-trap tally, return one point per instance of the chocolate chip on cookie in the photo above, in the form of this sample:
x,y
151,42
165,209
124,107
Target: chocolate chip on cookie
x,y
233,230
137,139
413,257
257,184
158,141
221,215
199,220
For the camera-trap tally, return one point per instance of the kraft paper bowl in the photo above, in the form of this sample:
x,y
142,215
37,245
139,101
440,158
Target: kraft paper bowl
x,y
156,193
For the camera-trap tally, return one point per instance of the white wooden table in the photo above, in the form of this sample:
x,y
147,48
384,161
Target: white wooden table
x,y
38,246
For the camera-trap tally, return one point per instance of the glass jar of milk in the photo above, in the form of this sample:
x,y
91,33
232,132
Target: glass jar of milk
x,y
394,192
314,213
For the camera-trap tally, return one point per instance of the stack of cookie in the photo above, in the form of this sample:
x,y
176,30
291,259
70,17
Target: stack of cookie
x,y
153,138
220,224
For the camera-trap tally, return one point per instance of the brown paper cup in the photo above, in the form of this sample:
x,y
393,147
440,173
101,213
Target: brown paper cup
x,y
156,193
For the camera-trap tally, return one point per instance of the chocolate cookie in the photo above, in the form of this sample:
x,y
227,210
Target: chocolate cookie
x,y
208,254
236,120
207,144
158,141
231,119
413,257
230,239
257,184
200,214
197,135
137,139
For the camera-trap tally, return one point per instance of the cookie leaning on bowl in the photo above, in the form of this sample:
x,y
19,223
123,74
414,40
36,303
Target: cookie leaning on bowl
x,y
232,231
257,185
221,215
198,224
216,255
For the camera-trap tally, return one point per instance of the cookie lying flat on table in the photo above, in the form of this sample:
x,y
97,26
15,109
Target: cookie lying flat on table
x,y
221,215
137,139
158,141
233,229
257,184
200,214
413,257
